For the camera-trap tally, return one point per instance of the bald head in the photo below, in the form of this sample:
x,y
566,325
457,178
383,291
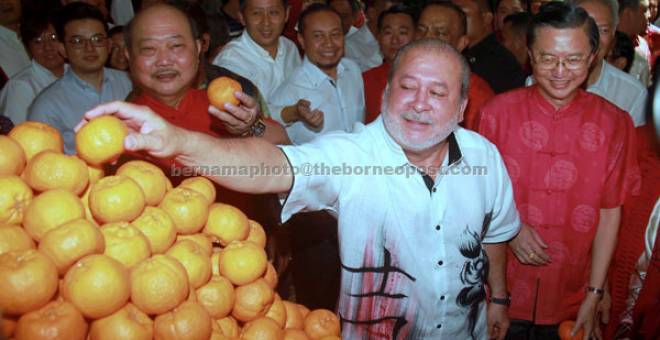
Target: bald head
x,y
163,52
155,14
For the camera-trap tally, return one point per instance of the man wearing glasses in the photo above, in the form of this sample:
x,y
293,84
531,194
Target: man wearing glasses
x,y
84,41
571,158
38,35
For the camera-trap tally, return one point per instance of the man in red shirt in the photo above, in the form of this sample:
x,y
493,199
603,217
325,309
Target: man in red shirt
x,y
447,22
571,158
396,28
164,58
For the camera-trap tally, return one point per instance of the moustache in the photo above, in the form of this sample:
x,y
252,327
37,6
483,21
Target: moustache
x,y
418,117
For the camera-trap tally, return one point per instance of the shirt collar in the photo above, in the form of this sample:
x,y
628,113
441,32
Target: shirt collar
x,y
546,108
72,76
316,75
251,44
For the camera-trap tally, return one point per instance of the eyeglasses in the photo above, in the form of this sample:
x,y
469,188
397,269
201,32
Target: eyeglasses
x,y
40,40
78,42
550,62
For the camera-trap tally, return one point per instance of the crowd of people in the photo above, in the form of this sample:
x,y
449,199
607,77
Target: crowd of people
x,y
525,177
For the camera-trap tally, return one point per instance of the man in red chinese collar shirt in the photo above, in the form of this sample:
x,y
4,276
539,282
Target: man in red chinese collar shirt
x,y
571,158
164,58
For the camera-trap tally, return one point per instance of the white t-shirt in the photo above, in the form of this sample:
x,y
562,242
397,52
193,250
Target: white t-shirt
x,y
245,57
362,47
411,255
342,101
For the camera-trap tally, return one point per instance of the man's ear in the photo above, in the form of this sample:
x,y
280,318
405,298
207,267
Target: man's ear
x,y
127,54
301,40
241,19
461,111
463,43
206,42
286,16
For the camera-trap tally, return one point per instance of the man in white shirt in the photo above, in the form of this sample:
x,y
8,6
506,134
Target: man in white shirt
x,y
633,21
361,45
326,92
13,56
417,245
261,54
605,80
47,65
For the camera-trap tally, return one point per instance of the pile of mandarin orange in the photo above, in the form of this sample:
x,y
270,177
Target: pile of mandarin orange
x,y
126,256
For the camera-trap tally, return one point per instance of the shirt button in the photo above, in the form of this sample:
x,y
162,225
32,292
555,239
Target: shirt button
x,y
442,297
434,189
438,326
548,192
440,263
437,227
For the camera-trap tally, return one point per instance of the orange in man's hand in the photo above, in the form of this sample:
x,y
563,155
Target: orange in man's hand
x,y
565,329
101,140
221,90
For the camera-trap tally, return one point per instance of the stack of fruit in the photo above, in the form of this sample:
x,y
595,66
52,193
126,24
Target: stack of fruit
x,y
88,256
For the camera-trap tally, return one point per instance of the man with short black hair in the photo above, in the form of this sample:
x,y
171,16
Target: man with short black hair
x,y
514,36
38,34
487,57
261,54
572,160
447,22
84,35
361,45
396,28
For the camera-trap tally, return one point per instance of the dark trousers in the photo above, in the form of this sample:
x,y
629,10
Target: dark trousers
x,y
526,330
315,259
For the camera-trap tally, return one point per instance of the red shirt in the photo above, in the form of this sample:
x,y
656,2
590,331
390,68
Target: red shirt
x,y
375,81
565,165
479,93
192,114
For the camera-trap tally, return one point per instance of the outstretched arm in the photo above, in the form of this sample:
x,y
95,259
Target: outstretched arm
x,y
150,133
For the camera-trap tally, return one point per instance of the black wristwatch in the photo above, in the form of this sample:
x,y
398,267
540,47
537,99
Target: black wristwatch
x,y
257,129
505,301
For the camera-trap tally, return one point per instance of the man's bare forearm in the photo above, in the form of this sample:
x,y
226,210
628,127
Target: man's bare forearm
x,y
252,161
497,271
603,245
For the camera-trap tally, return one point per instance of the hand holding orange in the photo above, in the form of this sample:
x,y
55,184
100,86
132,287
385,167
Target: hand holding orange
x,y
221,91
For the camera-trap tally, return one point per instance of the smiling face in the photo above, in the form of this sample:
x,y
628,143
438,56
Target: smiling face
x,y
163,56
397,30
424,105
44,49
559,81
86,57
264,20
323,40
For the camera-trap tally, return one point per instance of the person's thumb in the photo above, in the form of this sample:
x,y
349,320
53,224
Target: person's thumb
x,y
147,142
605,315
538,238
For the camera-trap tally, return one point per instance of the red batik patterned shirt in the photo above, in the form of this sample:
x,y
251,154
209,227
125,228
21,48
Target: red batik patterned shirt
x,y
565,165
